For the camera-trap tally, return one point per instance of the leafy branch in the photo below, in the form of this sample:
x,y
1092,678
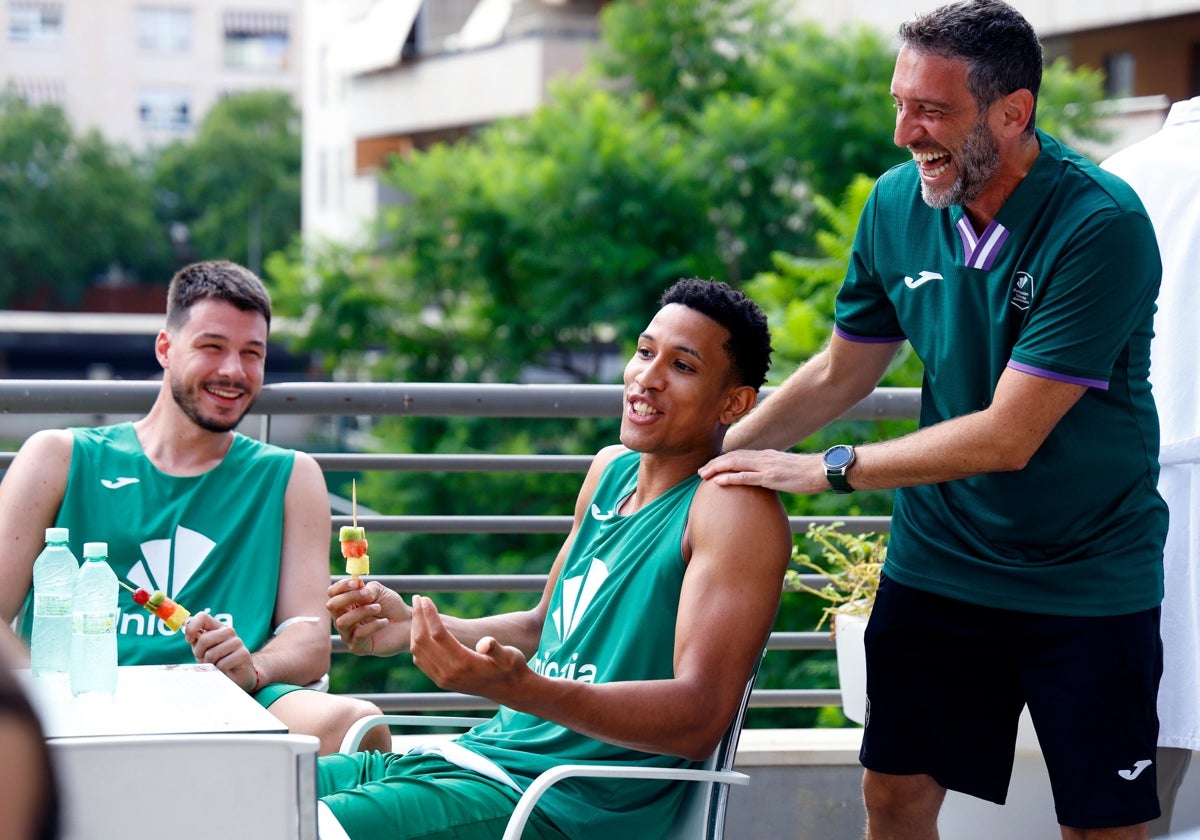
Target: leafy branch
x,y
851,563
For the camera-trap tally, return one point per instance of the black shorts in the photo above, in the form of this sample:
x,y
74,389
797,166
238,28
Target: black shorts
x,y
946,682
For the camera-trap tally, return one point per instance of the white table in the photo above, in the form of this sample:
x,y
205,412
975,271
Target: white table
x,y
179,751
150,700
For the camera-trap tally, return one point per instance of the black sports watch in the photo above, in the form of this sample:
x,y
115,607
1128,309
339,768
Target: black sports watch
x,y
836,460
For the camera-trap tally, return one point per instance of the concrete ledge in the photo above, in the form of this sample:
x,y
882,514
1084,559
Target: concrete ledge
x,y
798,747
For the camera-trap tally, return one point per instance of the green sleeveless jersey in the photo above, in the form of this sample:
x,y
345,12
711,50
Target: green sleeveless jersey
x,y
612,618
210,542
1060,285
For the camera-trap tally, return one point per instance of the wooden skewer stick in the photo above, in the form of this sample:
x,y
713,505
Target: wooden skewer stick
x,y
354,511
126,585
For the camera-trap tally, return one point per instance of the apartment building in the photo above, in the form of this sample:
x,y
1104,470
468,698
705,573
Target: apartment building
x,y
145,72
386,76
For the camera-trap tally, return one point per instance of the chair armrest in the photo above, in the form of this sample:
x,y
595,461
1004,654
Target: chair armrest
x,y
542,783
355,733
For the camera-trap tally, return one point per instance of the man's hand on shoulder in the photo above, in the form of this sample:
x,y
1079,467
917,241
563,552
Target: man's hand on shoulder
x,y
786,472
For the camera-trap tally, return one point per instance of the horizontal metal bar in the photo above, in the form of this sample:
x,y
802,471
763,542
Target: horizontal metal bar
x,y
794,698
412,399
494,583
424,584
796,640
460,524
344,462
781,640
448,701
558,524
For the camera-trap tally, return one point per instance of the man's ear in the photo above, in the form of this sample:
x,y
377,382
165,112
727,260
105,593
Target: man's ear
x,y
738,404
162,343
1016,111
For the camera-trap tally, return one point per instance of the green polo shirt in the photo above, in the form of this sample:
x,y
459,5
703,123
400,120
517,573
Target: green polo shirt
x,y
1061,285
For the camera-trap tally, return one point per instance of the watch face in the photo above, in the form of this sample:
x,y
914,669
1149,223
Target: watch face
x,y
838,457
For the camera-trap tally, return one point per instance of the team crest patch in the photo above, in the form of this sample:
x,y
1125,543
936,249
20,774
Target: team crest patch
x,y
1022,290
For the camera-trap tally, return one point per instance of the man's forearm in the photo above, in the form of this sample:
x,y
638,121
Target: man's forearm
x,y
299,655
518,629
799,407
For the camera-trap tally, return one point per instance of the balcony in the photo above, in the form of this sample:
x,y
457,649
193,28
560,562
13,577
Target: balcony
x,y
804,782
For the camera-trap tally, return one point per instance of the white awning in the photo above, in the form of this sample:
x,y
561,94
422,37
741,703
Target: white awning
x,y
484,26
374,41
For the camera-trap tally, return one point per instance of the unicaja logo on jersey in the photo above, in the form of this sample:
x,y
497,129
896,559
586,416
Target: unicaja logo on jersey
x,y
577,595
167,565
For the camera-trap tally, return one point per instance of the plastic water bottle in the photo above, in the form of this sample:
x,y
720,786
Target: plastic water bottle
x,y
53,579
94,640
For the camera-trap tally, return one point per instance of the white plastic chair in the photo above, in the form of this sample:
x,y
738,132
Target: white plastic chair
x,y
701,816
188,787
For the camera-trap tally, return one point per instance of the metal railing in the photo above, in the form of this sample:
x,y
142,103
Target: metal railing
x,y
93,400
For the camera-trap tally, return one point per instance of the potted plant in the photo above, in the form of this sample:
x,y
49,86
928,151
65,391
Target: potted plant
x,y
851,565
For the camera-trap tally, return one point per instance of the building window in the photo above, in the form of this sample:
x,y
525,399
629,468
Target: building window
x,y
164,110
1119,71
39,92
34,23
164,28
255,40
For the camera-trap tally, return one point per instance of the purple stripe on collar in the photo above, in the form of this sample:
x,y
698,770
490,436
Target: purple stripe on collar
x,y
1098,384
981,252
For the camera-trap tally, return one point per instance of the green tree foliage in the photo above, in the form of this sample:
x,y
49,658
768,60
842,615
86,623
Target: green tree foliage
x,y
677,56
798,295
1071,103
71,208
236,184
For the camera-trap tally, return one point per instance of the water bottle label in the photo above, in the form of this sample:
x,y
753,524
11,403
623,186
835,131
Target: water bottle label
x,y
51,606
95,624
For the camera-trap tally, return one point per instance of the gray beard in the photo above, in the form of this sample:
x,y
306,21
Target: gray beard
x,y
977,162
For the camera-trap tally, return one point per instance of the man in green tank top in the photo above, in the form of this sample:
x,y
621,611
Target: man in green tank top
x,y
1024,566
654,613
235,530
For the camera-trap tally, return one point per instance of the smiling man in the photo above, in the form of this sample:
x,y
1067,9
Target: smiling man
x,y
236,530
638,652
1025,559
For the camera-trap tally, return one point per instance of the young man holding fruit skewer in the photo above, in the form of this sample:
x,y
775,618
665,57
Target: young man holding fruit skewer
x,y
638,651
236,530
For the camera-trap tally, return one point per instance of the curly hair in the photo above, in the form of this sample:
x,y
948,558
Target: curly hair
x,y
749,343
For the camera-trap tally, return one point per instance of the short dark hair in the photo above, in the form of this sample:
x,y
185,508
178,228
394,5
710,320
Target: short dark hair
x,y
749,344
220,280
1002,52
